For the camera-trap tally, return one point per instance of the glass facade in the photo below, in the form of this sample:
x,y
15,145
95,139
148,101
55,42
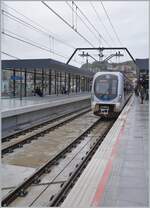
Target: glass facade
x,y
29,84
7,83
25,82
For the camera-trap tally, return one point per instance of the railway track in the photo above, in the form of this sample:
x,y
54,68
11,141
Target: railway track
x,y
39,125
56,175
25,137
50,183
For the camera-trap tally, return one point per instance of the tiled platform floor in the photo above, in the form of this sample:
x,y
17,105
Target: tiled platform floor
x,y
128,181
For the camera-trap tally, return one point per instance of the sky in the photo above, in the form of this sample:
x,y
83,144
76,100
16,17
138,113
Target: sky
x,y
44,34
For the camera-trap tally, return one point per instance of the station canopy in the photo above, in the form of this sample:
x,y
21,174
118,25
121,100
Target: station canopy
x,y
49,64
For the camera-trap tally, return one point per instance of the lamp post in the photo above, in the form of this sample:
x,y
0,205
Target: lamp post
x,y
21,84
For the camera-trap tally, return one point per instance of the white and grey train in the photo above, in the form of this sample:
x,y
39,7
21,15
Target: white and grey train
x,y
110,92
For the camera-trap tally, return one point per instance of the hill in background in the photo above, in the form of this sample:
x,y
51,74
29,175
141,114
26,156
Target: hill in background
x,y
128,67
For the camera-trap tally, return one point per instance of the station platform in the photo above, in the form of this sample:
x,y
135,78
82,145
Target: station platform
x,y
15,106
18,115
117,175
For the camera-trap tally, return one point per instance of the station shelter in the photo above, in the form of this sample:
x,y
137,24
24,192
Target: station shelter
x,y
20,78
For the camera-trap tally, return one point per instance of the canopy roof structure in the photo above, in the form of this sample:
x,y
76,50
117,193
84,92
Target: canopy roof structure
x,y
32,64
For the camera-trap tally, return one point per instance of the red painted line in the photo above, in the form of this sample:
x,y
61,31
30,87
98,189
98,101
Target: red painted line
x,y
115,146
102,184
104,179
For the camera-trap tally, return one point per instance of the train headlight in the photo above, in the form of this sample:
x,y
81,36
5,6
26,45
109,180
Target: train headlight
x,y
120,97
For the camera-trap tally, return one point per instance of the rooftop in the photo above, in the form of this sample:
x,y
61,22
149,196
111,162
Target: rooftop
x,y
48,64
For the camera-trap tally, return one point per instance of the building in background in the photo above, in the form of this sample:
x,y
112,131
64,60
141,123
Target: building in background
x,y
143,70
143,67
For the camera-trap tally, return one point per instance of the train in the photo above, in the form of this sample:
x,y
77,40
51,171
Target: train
x,y
110,92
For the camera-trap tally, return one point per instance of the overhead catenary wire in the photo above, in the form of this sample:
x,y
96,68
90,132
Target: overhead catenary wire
x,y
10,55
17,37
40,27
92,25
19,20
113,28
100,20
20,36
12,17
28,24
29,42
83,21
51,38
68,24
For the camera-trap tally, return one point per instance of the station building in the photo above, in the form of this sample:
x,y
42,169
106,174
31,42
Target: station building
x,y
20,78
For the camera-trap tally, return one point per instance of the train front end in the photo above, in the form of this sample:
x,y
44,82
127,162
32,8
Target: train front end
x,y
107,94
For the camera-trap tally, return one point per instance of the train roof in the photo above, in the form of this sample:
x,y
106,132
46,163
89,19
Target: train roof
x,y
118,73
108,72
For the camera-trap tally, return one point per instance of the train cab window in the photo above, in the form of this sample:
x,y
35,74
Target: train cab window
x,y
105,87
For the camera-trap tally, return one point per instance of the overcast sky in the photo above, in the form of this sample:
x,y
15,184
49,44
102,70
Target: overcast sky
x,y
130,20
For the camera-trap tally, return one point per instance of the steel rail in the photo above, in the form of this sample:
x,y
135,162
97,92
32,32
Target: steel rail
x,y
35,177
46,168
61,195
19,144
40,124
